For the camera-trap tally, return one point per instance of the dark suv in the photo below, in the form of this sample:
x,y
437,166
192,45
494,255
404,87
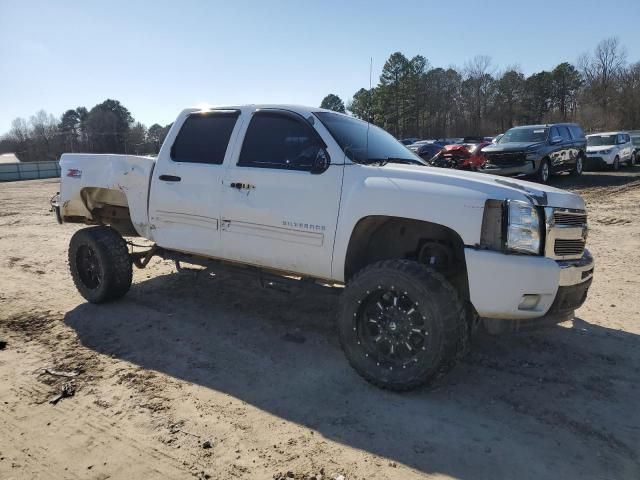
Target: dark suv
x,y
537,151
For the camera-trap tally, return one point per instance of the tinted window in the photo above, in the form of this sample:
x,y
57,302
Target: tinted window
x,y
576,131
564,133
279,141
203,138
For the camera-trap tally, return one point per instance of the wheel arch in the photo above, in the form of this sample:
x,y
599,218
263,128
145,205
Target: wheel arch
x,y
380,237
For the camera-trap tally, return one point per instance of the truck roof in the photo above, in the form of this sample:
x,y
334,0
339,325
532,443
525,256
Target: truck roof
x,y
302,109
547,125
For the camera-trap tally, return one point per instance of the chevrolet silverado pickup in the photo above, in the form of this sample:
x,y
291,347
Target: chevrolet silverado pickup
x,y
420,256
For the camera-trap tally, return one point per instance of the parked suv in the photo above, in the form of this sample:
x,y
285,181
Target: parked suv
x,y
609,150
537,151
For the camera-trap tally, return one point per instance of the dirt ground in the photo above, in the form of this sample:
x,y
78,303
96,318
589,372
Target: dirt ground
x,y
201,376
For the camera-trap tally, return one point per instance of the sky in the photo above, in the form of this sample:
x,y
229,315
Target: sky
x,y
158,57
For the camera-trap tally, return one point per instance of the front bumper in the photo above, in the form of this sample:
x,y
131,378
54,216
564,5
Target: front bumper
x,y
598,161
526,168
521,289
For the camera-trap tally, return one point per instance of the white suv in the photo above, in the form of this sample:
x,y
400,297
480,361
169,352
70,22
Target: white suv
x,y
609,149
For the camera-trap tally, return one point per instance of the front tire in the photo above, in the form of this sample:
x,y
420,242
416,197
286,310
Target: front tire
x,y
100,264
616,164
579,168
544,171
401,324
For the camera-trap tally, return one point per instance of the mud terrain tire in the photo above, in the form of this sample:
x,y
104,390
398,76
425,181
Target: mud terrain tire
x,y
100,264
437,312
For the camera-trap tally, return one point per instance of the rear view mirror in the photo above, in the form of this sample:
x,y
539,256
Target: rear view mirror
x,y
321,162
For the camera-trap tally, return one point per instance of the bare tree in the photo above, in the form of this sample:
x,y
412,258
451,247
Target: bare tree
x,y
602,72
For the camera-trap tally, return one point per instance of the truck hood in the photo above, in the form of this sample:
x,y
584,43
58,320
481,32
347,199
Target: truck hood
x,y
492,186
512,147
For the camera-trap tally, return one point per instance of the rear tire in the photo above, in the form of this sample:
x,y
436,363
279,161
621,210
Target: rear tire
x,y
632,161
100,264
401,324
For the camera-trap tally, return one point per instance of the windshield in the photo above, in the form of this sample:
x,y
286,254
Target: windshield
x,y
597,140
525,135
351,135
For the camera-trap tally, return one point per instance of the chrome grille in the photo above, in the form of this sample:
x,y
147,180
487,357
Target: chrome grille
x,y
563,248
574,219
566,233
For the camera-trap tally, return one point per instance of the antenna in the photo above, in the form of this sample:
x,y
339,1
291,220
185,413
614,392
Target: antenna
x,y
369,98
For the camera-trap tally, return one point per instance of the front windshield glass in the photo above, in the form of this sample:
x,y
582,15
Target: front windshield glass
x,y
351,135
526,135
598,140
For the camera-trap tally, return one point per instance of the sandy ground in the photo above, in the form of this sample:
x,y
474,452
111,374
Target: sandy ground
x,y
186,362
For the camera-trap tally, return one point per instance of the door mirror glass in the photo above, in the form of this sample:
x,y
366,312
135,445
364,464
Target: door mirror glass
x,y
556,139
321,162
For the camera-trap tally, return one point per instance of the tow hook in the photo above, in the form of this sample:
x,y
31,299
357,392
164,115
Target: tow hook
x,y
55,207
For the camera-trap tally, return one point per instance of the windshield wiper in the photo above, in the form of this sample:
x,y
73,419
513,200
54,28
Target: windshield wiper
x,y
383,161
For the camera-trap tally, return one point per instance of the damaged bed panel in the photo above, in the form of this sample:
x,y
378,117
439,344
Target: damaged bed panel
x,y
108,189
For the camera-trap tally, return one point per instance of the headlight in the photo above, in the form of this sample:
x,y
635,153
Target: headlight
x,y
532,155
605,152
523,227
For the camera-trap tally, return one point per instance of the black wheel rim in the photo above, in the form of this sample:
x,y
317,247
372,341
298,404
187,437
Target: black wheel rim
x,y
88,267
391,329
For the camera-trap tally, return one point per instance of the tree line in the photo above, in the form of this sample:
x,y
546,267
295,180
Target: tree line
x,y
601,91
107,128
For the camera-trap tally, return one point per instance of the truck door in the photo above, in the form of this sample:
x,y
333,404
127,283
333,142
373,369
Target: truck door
x,y
185,197
558,149
277,211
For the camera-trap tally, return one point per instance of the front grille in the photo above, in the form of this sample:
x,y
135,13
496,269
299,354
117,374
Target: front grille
x,y
566,233
573,219
563,248
505,158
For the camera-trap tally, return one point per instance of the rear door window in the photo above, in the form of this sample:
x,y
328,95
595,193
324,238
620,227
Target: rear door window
x,y
204,137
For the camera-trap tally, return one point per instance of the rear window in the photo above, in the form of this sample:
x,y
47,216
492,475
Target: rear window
x,y
204,137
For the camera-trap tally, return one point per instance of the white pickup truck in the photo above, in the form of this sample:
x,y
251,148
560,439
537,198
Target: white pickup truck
x,y
419,255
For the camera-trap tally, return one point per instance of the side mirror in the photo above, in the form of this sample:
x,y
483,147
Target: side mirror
x,y
321,162
556,140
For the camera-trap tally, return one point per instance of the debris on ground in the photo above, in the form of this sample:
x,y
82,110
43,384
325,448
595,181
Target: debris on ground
x,y
306,476
59,373
68,390
207,444
3,344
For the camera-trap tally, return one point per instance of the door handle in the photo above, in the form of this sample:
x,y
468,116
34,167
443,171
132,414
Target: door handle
x,y
240,185
169,178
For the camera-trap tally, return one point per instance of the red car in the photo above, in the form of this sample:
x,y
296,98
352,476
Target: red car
x,y
462,156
